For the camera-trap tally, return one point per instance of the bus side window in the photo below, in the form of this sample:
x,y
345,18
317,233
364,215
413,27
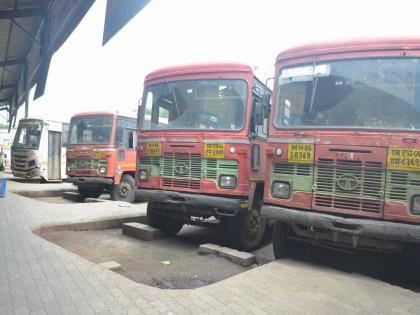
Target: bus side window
x,y
258,124
131,139
65,134
119,136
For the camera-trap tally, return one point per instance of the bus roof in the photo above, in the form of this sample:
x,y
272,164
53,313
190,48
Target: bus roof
x,y
100,113
349,46
199,68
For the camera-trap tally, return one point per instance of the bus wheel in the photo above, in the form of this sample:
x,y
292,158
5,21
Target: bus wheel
x,y
284,247
168,225
89,192
247,231
124,191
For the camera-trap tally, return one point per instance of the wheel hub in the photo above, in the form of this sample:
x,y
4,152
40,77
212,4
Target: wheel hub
x,y
253,223
124,190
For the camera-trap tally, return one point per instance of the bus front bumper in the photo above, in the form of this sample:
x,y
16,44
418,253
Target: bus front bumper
x,y
34,172
218,205
90,180
384,230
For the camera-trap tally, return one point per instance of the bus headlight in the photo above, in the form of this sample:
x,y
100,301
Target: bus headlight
x,y
68,168
281,190
102,170
415,205
227,181
143,175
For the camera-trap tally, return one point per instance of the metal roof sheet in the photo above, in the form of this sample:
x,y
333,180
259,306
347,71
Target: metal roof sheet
x,y
30,32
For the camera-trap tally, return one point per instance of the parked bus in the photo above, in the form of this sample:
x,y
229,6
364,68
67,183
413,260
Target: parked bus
x,y
101,155
38,149
343,157
202,130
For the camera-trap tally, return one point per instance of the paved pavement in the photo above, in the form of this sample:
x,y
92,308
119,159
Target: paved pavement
x,y
38,277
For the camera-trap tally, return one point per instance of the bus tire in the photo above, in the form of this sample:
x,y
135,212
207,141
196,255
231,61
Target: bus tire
x,y
169,226
89,192
247,231
280,249
124,191
283,247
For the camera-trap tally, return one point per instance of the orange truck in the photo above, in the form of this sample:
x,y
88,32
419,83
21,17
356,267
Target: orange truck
x,y
343,156
203,129
101,155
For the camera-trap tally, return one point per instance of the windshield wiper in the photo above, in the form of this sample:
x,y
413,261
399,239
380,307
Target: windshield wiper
x,y
174,96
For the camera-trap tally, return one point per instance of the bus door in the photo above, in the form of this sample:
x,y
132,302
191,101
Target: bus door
x,y
54,155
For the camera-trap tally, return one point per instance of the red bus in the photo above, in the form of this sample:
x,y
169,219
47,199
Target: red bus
x,y
202,131
101,155
343,157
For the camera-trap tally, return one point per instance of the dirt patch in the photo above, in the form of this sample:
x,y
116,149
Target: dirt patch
x,y
168,263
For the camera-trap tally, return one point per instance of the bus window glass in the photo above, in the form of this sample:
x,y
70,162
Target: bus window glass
x,y
65,134
28,134
217,104
361,93
90,130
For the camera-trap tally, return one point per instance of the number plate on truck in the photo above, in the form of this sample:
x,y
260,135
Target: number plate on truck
x,y
154,149
71,155
214,150
300,153
404,159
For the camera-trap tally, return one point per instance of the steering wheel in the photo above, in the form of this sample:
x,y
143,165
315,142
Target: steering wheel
x,y
211,120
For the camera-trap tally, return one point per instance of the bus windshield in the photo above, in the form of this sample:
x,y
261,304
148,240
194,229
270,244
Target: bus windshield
x,y
217,104
28,134
90,130
376,93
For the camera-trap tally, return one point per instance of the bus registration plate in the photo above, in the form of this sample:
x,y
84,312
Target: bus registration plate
x,y
71,154
300,153
214,150
154,149
404,159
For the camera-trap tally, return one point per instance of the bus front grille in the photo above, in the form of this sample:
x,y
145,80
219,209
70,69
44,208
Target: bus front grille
x,y
349,185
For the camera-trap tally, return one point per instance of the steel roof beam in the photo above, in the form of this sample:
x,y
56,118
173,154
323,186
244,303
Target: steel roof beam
x,y
7,86
29,35
22,13
12,62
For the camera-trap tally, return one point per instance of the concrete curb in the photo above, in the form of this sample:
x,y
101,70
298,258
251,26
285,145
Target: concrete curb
x,y
40,194
107,223
142,231
244,259
111,265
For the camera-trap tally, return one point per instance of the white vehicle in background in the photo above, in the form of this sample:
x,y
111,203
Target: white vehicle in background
x,y
39,149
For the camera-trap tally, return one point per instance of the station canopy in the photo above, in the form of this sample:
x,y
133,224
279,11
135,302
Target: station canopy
x,y
31,31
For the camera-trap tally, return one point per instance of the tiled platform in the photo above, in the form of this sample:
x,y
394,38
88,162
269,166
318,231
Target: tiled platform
x,y
37,277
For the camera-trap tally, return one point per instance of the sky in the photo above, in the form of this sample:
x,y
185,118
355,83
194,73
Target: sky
x,y
84,76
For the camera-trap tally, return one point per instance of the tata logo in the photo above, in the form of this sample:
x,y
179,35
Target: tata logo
x,y
181,168
348,182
